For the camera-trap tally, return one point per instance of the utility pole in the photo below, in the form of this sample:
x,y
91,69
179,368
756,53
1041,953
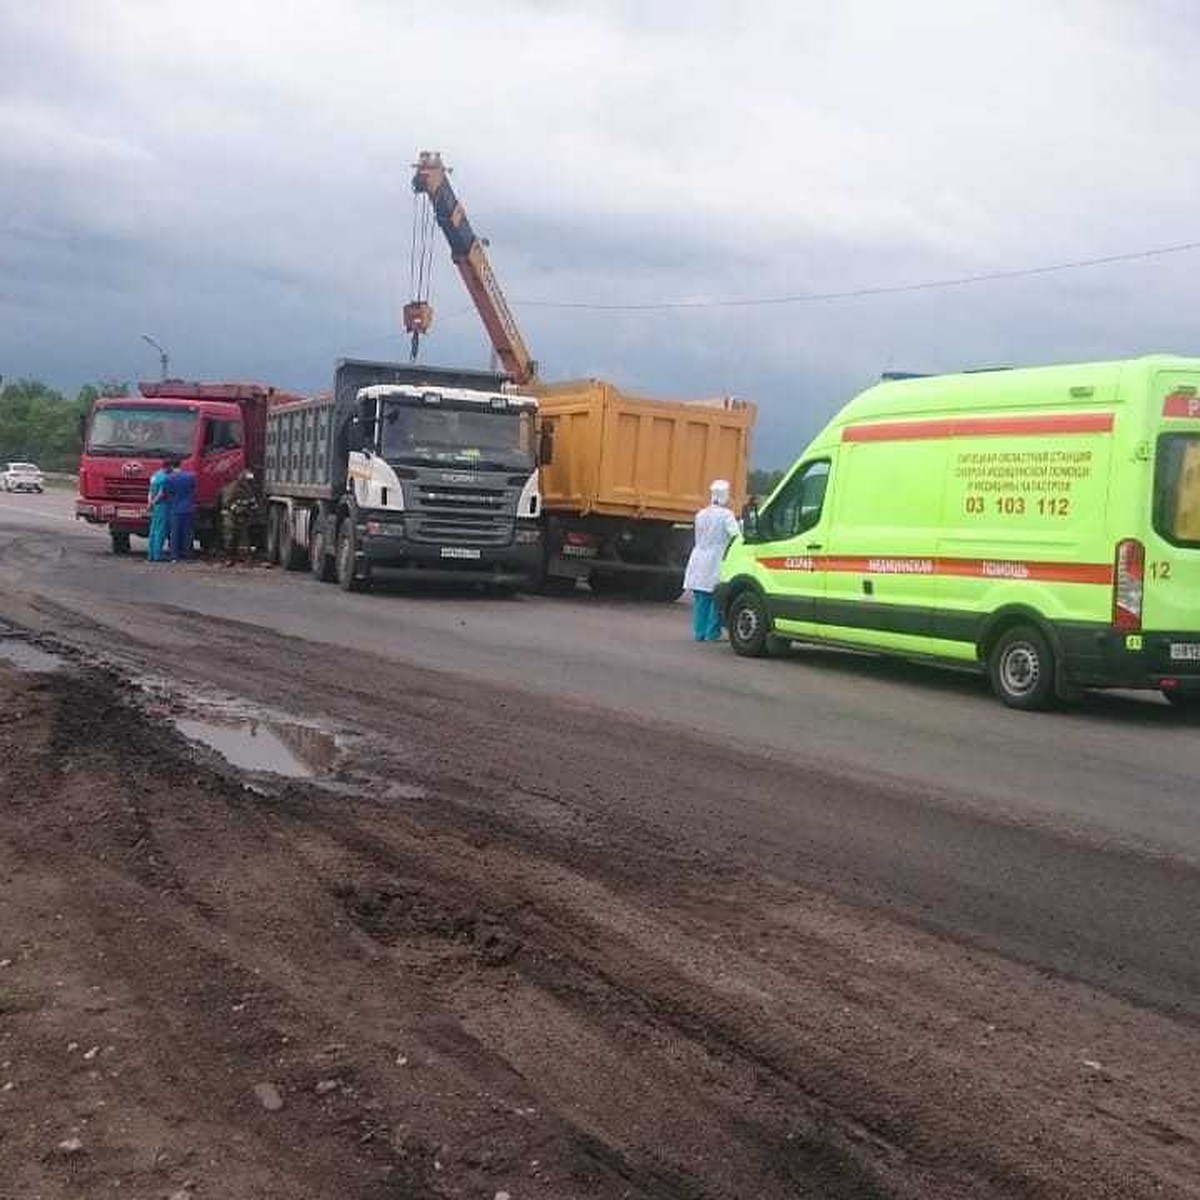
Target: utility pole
x,y
162,354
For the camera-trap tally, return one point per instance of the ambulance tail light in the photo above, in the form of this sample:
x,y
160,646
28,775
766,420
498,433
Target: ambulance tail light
x,y
1127,585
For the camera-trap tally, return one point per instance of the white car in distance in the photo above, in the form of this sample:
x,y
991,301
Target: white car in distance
x,y
21,477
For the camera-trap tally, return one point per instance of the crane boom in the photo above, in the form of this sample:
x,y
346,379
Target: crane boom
x,y
469,256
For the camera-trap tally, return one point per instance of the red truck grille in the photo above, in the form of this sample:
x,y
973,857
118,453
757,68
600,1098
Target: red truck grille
x,y
128,491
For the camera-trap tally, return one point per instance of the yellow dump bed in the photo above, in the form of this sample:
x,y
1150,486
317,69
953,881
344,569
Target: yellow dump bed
x,y
621,455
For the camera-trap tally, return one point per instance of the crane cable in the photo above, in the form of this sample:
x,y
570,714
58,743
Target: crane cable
x,y
420,259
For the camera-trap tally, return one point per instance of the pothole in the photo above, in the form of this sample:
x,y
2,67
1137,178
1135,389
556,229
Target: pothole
x,y
296,751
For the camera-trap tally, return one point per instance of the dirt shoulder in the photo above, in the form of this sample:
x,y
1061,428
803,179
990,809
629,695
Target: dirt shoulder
x,y
382,987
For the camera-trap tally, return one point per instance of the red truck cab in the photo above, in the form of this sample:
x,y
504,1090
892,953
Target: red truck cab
x,y
216,430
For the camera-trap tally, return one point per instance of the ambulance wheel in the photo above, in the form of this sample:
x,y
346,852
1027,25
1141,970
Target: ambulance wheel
x,y
347,574
1021,667
120,541
749,625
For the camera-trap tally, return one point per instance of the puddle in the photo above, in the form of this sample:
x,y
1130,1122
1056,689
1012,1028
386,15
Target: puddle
x,y
405,791
27,657
297,751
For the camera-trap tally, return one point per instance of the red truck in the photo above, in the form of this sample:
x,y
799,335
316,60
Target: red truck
x,y
215,429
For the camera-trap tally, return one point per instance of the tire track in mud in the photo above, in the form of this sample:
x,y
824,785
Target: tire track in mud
x,y
148,865
641,797
607,990
583,965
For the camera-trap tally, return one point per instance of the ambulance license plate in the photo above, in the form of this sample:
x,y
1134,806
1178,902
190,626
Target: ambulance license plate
x,y
459,552
1185,651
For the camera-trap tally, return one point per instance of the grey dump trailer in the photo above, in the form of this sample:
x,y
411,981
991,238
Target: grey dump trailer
x,y
406,471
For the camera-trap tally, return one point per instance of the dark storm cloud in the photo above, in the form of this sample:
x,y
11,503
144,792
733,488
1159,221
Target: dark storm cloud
x,y
234,180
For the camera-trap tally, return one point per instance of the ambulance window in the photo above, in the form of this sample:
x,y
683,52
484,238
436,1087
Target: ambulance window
x,y
1177,489
798,506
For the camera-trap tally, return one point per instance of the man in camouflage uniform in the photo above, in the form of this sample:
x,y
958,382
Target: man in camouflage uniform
x,y
239,507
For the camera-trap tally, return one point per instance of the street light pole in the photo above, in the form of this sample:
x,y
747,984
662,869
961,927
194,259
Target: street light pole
x,y
162,354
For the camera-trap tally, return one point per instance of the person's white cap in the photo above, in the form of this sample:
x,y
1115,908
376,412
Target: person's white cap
x,y
718,490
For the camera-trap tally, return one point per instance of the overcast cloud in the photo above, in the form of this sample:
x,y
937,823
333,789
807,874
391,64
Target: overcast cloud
x,y
233,179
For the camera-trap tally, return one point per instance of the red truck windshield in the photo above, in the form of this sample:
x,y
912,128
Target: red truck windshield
x,y
144,432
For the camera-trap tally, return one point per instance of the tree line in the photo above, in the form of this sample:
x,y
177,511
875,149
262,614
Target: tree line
x,y
39,424
762,483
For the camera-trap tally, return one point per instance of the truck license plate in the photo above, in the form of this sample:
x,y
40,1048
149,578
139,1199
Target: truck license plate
x,y
459,552
1185,651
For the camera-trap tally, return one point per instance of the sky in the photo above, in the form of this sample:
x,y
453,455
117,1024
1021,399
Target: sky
x,y
234,180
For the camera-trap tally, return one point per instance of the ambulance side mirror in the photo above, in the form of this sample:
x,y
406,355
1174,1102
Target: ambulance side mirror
x,y
750,522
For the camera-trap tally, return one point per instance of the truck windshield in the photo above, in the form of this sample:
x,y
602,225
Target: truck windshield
x,y
482,438
145,432
1177,489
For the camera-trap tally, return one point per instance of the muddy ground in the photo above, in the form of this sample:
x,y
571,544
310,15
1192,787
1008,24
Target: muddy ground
x,y
425,976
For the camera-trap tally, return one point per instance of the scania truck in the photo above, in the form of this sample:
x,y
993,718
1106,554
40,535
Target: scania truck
x,y
409,472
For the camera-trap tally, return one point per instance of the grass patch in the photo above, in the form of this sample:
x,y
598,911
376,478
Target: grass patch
x,y
10,1002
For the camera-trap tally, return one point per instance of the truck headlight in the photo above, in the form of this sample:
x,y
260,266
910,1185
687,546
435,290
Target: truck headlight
x,y
528,536
392,528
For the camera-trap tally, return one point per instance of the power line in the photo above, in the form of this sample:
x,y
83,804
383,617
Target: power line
x,y
881,290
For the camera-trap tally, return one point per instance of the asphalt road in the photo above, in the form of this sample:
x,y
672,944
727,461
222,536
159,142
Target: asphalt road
x,y
1070,841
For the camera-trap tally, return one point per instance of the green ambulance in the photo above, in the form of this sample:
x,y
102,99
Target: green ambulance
x,y
1041,524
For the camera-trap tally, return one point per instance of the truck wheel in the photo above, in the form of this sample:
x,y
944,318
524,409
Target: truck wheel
x,y
1184,701
557,585
1021,667
320,562
607,585
274,513
120,541
348,578
663,591
291,553
749,625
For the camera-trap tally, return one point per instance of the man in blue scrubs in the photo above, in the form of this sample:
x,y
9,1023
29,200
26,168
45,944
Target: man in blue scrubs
x,y
182,488
160,511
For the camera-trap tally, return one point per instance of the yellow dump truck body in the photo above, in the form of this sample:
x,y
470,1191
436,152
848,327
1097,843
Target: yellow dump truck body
x,y
621,455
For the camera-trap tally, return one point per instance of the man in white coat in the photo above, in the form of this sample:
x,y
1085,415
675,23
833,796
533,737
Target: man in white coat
x,y
716,526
